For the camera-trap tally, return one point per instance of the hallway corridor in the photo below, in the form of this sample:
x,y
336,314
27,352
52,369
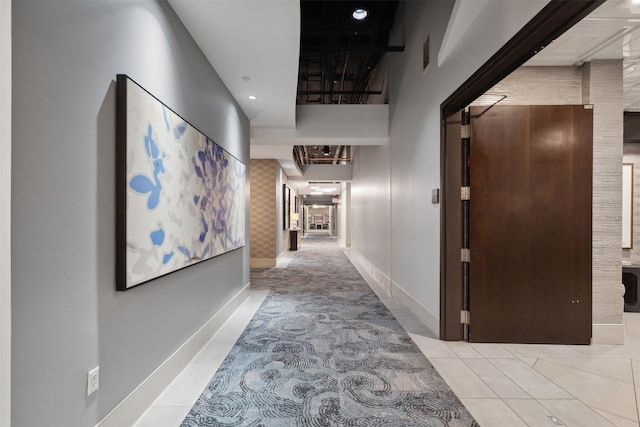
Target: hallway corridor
x,y
499,384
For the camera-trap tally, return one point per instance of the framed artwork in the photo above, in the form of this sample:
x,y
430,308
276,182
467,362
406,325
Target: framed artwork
x,y
627,205
180,196
286,206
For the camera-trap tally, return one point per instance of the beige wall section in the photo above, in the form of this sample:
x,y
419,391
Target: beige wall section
x,y
263,213
598,83
603,88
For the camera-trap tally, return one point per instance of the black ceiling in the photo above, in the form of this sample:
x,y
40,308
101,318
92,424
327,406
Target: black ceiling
x,y
337,56
338,53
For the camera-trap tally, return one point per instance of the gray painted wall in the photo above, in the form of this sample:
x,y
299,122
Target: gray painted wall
x,y
414,152
67,317
5,213
371,205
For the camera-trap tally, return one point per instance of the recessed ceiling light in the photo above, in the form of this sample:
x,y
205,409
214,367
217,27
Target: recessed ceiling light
x,y
359,14
317,193
253,97
246,78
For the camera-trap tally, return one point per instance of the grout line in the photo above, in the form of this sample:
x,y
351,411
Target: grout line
x,y
590,372
635,388
593,408
615,415
503,374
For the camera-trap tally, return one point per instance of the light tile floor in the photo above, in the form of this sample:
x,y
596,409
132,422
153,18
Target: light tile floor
x,y
501,384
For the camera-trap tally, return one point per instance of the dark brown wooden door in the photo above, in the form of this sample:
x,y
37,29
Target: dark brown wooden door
x,y
531,185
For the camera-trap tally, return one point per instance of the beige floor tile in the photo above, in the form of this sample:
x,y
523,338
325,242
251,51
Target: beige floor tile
x,y
414,326
187,387
632,324
492,351
615,420
531,381
461,379
572,412
608,351
492,413
231,330
612,396
464,350
544,350
212,355
496,379
635,366
433,348
617,369
532,412
531,361
163,416
631,342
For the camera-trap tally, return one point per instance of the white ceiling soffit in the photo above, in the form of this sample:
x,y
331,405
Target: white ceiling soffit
x,y
462,16
282,153
612,31
254,39
474,24
347,124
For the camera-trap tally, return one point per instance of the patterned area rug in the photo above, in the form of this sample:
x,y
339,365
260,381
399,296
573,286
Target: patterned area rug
x,y
323,350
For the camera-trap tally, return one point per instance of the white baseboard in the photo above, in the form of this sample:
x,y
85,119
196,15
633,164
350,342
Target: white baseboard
x,y
138,401
383,286
423,313
377,280
607,334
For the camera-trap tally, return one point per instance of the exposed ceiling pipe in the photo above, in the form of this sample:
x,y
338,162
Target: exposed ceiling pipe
x,y
344,70
340,92
380,49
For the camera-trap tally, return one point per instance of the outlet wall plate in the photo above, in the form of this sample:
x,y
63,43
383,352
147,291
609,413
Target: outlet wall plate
x,y
93,380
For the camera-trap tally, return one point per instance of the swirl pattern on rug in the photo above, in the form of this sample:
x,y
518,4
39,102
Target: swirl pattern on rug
x,y
323,350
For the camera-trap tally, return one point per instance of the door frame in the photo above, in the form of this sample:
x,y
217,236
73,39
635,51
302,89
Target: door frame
x,y
553,20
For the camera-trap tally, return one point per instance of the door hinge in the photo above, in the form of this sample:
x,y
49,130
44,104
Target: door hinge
x,y
465,317
465,255
465,193
465,131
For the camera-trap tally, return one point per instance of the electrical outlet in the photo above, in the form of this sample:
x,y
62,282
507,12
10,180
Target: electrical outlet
x,y
93,380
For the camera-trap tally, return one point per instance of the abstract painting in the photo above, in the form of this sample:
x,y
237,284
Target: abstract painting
x,y
627,206
180,196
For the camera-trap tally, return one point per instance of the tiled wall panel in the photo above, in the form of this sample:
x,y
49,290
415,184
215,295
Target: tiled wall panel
x,y
603,88
541,86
